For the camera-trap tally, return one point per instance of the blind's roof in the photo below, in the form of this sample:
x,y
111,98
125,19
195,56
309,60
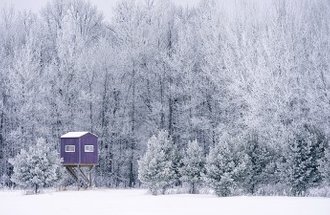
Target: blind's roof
x,y
74,134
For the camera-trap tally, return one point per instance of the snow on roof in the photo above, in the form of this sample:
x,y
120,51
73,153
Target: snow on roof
x,y
74,134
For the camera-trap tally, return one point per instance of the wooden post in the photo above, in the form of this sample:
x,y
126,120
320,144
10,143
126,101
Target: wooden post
x,y
78,180
90,176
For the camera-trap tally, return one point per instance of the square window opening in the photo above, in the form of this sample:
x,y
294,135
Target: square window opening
x,y
89,148
70,148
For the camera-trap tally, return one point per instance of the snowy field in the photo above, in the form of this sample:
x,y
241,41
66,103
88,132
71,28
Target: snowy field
x,y
129,202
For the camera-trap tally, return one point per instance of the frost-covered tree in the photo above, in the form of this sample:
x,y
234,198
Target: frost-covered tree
x,y
257,160
305,154
325,167
17,53
193,166
156,167
223,169
37,167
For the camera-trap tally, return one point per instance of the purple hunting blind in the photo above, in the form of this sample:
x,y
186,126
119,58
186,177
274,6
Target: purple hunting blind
x,y
79,154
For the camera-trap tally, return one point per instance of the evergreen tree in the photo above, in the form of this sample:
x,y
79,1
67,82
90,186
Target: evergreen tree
x,y
193,165
37,167
319,144
305,153
222,169
156,168
325,167
257,160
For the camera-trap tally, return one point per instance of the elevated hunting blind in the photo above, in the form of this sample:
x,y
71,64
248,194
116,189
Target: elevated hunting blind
x,y
79,151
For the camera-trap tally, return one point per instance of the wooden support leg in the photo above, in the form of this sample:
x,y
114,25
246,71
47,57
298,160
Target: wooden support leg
x,y
78,185
72,172
84,177
78,174
90,176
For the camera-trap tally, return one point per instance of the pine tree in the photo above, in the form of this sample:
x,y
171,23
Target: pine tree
x,y
257,159
156,168
36,167
325,167
305,154
222,169
193,166
319,144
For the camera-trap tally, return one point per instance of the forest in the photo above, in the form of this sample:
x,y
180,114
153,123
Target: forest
x,y
242,86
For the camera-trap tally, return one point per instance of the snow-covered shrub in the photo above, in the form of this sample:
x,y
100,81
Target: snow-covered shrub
x,y
193,166
177,190
157,167
319,191
37,167
280,189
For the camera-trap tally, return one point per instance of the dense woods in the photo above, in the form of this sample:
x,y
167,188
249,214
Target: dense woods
x,y
244,85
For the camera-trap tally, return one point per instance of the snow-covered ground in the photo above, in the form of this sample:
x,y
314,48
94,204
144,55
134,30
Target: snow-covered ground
x,y
136,202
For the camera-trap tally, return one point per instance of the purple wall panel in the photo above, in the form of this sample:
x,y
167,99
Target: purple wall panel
x,y
70,157
89,157
73,158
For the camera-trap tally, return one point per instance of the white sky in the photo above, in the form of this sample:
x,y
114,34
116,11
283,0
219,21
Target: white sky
x,y
103,5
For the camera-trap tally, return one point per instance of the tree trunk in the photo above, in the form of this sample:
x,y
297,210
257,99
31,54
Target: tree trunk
x,y
132,139
36,187
162,114
193,189
1,135
170,116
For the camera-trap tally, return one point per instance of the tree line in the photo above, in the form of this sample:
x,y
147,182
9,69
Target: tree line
x,y
244,79
240,165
